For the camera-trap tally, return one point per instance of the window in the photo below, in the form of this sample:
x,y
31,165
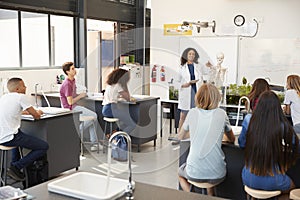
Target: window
x,y
9,39
35,40
62,39
35,45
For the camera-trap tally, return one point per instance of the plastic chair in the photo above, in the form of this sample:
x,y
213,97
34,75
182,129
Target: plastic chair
x,y
261,194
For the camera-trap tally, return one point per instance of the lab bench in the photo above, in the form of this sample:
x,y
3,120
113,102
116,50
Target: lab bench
x,y
169,109
142,191
146,129
61,133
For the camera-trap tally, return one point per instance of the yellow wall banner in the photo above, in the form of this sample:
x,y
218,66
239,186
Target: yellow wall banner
x,y
175,29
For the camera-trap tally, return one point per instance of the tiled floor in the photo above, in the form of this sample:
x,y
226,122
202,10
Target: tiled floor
x,y
154,165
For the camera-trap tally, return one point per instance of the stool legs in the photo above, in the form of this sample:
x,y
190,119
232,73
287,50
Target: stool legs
x,y
24,170
104,137
105,133
3,170
96,136
81,137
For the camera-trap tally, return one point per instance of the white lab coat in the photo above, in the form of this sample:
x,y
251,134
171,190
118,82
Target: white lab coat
x,y
184,99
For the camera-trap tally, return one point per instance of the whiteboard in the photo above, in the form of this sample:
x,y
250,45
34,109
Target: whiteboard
x,y
209,47
271,58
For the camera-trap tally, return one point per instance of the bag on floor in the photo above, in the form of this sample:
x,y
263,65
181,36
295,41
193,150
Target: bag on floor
x,y
38,171
119,148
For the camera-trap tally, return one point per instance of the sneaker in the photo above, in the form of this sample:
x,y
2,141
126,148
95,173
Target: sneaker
x,y
173,136
94,147
175,142
15,173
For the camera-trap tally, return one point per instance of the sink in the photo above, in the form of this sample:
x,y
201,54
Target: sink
x,y
85,185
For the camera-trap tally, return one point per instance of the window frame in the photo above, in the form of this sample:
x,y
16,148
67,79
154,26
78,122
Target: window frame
x,y
50,53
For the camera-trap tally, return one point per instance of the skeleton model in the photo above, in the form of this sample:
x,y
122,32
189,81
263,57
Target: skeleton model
x,y
217,73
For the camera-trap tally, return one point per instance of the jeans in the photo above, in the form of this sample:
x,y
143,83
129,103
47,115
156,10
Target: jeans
x,y
88,124
126,113
37,146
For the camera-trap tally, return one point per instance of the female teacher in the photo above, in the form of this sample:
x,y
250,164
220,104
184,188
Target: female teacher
x,y
189,75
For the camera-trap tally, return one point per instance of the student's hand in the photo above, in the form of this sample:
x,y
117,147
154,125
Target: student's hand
x,y
25,112
40,112
193,81
208,64
132,99
82,95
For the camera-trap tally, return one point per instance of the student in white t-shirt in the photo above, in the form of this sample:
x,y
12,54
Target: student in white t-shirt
x,y
116,91
12,106
292,100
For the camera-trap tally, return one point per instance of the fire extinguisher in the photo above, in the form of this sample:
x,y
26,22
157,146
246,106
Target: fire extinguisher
x,y
153,73
162,74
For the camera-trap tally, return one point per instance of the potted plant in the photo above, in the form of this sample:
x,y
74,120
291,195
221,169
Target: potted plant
x,y
235,92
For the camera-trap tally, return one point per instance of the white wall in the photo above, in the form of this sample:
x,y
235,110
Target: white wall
x,y
44,77
277,19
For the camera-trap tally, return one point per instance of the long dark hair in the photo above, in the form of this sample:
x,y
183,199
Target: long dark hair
x,y
183,58
271,143
259,86
120,76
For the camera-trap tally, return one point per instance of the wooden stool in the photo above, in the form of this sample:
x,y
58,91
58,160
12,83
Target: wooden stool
x,y
295,194
83,119
202,185
261,194
3,170
109,121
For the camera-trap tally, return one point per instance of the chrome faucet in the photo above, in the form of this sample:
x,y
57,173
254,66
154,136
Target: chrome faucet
x,y
35,94
239,106
130,186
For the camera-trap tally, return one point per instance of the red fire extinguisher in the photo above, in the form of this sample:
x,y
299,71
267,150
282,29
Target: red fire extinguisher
x,y
153,73
162,74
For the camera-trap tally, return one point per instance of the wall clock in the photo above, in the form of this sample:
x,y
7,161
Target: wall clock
x,y
239,20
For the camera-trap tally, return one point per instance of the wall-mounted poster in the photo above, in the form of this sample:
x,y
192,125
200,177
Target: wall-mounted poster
x,y
175,29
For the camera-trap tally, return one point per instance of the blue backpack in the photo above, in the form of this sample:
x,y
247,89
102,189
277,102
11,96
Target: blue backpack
x,y
119,148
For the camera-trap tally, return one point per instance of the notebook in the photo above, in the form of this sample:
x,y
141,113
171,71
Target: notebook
x,y
53,110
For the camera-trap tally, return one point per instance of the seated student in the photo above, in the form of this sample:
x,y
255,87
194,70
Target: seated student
x,y
12,106
259,86
205,125
271,148
69,99
292,100
115,91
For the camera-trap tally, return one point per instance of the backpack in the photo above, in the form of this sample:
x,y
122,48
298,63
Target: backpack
x,y
119,148
38,171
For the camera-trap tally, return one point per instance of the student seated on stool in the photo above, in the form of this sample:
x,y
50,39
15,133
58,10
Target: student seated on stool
x,y
69,99
116,89
206,124
271,148
12,105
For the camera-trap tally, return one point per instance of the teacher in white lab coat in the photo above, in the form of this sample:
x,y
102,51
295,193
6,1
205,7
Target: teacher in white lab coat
x,y
190,79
